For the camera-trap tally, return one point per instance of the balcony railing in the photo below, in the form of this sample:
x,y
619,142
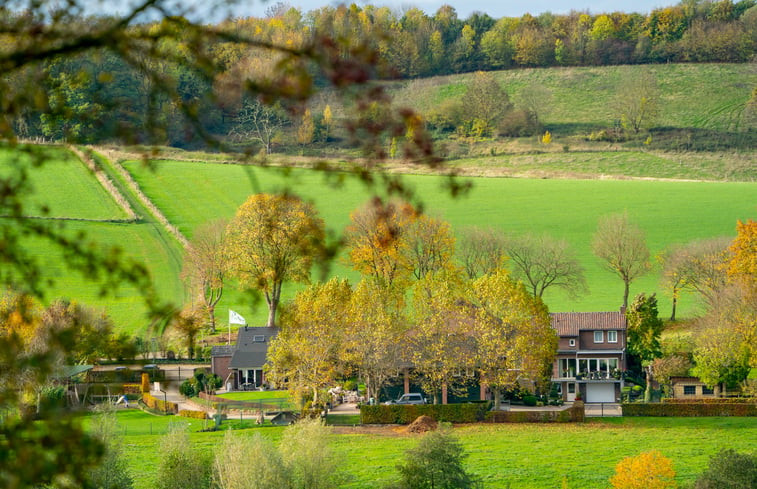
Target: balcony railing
x,y
598,375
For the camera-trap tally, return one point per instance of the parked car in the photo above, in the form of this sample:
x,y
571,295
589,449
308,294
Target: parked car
x,y
412,398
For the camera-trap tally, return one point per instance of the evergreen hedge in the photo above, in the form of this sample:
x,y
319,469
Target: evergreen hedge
x,y
407,413
690,409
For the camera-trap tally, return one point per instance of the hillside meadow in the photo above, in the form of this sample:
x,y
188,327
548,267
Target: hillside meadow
x,y
190,193
515,456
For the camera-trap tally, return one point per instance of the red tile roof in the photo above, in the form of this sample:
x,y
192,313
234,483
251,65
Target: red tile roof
x,y
570,323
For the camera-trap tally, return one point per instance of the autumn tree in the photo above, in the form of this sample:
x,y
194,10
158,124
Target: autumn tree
x,y
644,331
485,101
273,239
306,128
481,251
430,245
542,262
440,342
622,246
637,102
204,266
648,470
307,352
377,240
188,323
377,321
515,341
743,265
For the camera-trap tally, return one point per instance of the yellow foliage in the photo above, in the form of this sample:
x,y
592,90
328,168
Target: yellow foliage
x,y
743,265
648,470
547,138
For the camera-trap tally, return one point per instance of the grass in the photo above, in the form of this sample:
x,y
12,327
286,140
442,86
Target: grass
x,y
255,395
520,456
61,187
670,212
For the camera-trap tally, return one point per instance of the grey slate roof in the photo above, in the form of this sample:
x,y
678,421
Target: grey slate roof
x,y
570,323
250,352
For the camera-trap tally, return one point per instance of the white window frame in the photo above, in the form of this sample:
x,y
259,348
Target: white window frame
x,y
572,342
612,336
601,336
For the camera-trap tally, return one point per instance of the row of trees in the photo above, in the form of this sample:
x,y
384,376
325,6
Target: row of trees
x,y
147,95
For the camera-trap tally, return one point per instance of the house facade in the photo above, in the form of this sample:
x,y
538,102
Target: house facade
x,y
241,365
591,355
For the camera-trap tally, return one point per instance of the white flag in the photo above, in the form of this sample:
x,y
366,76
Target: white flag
x,y
235,318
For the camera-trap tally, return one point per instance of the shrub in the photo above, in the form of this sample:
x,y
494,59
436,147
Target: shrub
x,y
160,404
729,469
307,456
233,469
188,413
530,400
648,470
437,461
179,466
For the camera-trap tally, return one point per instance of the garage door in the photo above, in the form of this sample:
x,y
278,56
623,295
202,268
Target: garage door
x,y
600,392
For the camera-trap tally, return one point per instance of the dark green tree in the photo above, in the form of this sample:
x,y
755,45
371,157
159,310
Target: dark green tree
x,y
644,330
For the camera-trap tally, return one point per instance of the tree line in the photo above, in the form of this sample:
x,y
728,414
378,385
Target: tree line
x,y
147,95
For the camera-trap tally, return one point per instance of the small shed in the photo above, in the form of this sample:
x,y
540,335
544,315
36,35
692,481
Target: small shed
x,y
692,388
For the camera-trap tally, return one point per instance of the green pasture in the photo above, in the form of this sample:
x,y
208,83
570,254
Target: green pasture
x,y
692,95
59,184
140,243
255,395
190,193
516,456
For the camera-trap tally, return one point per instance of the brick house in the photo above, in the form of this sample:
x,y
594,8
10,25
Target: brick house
x,y
241,365
591,355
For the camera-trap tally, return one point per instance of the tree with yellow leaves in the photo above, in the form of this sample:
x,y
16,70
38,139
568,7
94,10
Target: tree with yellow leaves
x,y
306,354
273,239
743,265
648,470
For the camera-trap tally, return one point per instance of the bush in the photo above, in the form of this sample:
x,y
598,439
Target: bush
x,y
519,123
648,470
530,400
406,414
729,470
159,404
437,461
187,413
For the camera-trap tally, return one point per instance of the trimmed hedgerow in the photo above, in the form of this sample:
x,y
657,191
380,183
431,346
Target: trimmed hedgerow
x,y
407,413
159,404
574,414
188,413
711,400
690,409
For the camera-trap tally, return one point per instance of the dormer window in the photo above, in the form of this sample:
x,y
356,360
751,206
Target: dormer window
x,y
258,338
612,336
599,336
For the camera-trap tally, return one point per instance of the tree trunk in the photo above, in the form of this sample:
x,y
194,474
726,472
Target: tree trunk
x,y
673,311
212,317
625,294
497,397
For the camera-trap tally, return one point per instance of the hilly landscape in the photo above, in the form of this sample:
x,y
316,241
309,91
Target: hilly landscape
x,y
692,176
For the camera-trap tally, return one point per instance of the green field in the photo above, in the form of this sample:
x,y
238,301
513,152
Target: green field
x,y
63,185
518,456
190,193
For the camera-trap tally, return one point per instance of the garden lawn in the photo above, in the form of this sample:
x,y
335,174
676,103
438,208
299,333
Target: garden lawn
x,y
190,193
61,187
255,395
518,456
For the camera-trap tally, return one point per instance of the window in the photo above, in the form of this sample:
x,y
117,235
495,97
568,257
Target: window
x,y
599,337
612,336
572,342
689,390
707,391
258,338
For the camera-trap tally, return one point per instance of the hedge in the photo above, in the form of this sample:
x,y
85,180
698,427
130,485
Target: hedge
x,y
407,413
574,414
188,413
159,404
711,400
690,409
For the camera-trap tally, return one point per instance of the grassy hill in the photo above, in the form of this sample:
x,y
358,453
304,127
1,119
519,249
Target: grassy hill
x,y
562,191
